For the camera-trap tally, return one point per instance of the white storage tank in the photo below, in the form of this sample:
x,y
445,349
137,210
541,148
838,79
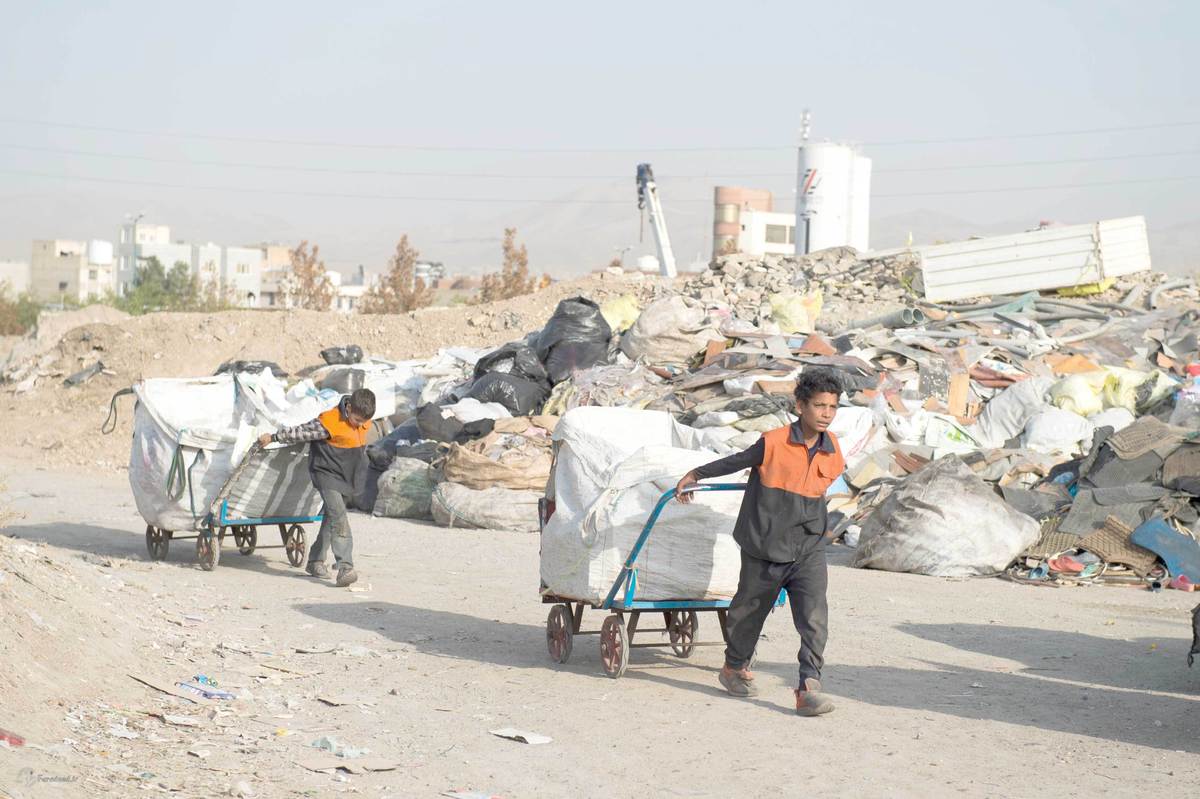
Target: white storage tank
x,y
100,252
833,197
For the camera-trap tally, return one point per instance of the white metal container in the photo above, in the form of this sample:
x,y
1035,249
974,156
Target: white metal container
x,y
833,190
100,252
1053,258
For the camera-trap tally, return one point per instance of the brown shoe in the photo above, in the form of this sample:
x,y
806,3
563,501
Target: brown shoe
x,y
346,576
739,682
810,701
317,569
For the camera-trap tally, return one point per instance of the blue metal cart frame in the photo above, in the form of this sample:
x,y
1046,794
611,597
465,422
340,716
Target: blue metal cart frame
x,y
212,530
681,622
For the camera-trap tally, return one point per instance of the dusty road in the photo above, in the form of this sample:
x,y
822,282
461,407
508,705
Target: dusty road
x,y
980,688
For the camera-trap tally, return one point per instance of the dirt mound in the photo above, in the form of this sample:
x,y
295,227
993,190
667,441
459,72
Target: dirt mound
x,y
56,612
60,425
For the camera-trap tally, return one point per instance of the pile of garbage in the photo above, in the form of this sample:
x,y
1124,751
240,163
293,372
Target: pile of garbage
x,y
1045,436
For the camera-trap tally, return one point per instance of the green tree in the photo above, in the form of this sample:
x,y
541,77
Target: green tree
x,y
154,288
18,315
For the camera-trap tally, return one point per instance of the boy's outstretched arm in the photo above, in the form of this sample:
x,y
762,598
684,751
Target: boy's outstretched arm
x,y
309,431
747,458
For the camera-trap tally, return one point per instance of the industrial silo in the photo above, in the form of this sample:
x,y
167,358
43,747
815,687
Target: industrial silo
x,y
833,197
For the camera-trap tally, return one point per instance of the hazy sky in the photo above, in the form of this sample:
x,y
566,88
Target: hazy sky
x,y
279,121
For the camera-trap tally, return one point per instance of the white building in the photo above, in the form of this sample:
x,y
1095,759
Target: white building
x,y
237,273
128,250
63,270
346,295
168,255
14,277
242,275
766,233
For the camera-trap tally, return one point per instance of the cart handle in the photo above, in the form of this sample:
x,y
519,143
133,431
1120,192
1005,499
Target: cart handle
x,y
627,571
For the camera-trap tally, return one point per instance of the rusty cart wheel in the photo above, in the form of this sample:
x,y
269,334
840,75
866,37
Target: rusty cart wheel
x,y
293,543
157,542
208,549
559,633
246,538
682,630
614,646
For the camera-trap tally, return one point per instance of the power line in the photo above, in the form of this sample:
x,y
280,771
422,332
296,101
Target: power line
x,y
1040,135
550,150
526,176
1007,164
1171,179
551,201
328,194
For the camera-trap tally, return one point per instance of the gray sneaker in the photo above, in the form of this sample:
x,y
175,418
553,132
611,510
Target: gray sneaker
x,y
810,701
317,569
346,577
738,683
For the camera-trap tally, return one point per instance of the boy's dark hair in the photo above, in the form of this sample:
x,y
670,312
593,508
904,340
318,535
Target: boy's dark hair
x,y
817,381
362,403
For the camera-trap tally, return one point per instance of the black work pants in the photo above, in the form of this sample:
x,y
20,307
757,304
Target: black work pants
x,y
805,580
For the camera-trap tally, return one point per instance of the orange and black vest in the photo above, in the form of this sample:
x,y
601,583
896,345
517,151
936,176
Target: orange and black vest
x,y
339,463
785,496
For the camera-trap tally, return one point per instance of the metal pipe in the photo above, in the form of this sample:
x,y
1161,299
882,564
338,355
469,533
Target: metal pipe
x,y
1021,348
982,306
1168,286
1116,306
1134,295
903,317
1099,331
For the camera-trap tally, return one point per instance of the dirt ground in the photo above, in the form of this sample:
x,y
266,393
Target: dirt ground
x,y
974,687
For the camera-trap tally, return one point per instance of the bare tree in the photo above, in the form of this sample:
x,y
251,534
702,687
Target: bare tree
x,y
307,284
400,290
513,279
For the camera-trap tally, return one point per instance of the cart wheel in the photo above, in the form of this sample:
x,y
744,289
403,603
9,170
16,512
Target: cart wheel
x,y
614,646
559,633
157,542
208,549
682,630
246,538
293,543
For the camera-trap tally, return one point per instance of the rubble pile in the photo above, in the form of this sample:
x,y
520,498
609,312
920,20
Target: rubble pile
x,y
754,287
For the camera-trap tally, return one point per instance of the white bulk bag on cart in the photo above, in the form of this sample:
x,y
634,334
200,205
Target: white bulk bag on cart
x,y
189,434
611,467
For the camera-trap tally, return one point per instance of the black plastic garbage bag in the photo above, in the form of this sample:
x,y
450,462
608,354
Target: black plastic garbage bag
x,y
252,367
350,353
433,426
381,452
576,337
520,396
516,358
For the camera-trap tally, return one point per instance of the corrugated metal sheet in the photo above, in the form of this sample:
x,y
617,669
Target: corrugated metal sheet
x,y
1042,259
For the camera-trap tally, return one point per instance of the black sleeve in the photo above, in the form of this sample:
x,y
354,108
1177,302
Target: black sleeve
x,y
733,463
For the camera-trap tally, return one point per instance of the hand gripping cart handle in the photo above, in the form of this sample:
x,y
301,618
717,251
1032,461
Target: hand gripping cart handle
x,y
680,616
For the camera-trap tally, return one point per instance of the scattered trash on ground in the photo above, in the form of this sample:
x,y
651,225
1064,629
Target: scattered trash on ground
x,y
521,736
